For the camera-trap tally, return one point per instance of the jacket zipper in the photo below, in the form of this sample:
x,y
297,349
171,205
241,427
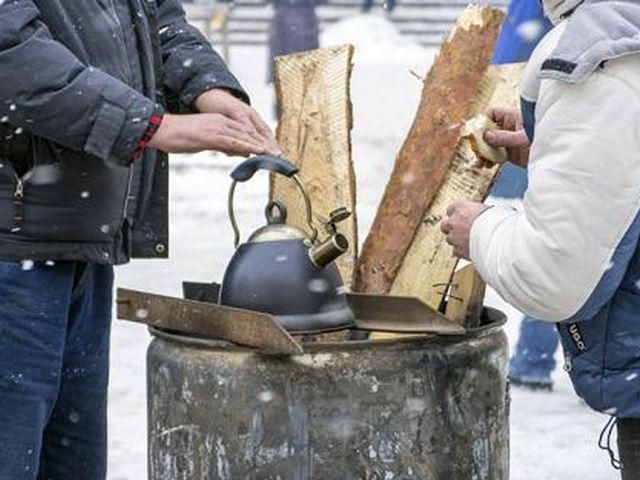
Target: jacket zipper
x,y
128,194
123,47
18,204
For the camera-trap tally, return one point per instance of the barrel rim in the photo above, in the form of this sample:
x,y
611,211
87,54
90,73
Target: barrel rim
x,y
497,317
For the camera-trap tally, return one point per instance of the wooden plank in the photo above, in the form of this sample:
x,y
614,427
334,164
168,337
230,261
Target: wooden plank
x,y
315,133
466,297
449,98
428,263
252,329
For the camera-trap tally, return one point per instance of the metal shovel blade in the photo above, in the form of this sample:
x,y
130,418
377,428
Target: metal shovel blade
x,y
208,320
388,313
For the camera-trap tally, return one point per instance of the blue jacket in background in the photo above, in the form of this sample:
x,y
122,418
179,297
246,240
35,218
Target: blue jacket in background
x,y
523,28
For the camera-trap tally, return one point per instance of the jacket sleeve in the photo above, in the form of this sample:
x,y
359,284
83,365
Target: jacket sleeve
x,y
47,91
564,256
191,65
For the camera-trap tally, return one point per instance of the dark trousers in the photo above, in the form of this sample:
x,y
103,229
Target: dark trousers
x,y
629,447
54,352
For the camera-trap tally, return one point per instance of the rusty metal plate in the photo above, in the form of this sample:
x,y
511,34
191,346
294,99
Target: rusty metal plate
x,y
388,313
251,329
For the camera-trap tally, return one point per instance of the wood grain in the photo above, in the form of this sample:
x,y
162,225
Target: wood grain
x,y
466,297
450,97
314,132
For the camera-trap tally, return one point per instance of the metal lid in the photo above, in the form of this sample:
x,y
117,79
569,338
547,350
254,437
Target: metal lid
x,y
277,232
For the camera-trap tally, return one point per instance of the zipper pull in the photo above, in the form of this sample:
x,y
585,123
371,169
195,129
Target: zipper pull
x,y
18,206
19,193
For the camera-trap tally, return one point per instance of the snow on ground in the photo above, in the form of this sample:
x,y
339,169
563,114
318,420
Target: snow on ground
x,y
554,436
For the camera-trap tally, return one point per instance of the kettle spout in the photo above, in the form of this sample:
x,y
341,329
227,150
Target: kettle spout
x,y
326,252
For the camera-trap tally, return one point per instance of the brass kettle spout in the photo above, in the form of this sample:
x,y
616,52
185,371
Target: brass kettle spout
x,y
327,251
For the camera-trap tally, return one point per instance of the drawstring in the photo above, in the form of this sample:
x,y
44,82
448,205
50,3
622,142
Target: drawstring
x,y
607,431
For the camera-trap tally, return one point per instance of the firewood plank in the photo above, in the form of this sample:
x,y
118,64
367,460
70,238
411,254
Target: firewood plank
x,y
428,264
466,297
449,99
314,131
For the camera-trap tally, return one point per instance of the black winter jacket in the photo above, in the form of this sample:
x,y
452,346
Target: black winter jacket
x,y
78,81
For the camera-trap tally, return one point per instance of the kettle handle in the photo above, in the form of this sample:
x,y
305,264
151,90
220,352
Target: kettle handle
x,y
247,169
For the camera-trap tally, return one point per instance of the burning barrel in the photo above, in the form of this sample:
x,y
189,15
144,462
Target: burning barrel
x,y
415,408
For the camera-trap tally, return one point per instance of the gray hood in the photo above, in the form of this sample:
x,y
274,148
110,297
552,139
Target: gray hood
x,y
599,30
556,9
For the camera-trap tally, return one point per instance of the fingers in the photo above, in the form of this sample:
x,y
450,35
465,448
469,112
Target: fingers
x,y
507,118
263,129
484,163
245,133
253,123
507,139
233,146
451,209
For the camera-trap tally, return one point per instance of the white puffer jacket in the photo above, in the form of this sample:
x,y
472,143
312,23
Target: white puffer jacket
x,y
584,177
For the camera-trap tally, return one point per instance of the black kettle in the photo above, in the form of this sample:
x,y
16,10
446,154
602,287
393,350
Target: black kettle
x,y
283,270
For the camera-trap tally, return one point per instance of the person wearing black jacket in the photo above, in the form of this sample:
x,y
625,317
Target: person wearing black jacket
x,y
94,94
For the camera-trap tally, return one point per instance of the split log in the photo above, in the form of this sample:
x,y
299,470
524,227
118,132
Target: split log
x,y
313,92
428,265
450,97
466,298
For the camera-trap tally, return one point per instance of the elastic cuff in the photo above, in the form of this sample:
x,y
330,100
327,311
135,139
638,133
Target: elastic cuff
x,y
132,129
153,124
480,236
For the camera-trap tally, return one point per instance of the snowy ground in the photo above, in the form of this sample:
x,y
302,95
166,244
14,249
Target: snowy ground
x,y
553,435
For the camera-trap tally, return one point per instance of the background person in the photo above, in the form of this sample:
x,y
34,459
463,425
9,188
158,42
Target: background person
x,y
533,361
572,255
86,91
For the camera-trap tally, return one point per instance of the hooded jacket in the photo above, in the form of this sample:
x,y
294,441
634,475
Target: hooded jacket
x,y
572,255
80,79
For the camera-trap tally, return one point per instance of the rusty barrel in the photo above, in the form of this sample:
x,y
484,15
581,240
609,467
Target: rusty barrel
x,y
419,408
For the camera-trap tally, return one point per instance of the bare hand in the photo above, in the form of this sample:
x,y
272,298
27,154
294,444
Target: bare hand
x,y
205,131
223,102
512,136
457,225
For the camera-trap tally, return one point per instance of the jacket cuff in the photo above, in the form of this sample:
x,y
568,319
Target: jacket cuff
x,y
481,237
117,130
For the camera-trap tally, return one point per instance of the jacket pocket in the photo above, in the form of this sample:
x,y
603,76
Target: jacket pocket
x,y
584,345
66,196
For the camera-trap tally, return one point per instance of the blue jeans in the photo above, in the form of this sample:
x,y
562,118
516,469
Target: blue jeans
x,y
533,361
54,352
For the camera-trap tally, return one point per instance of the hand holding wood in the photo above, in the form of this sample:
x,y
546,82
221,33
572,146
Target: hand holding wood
x,y
510,135
457,225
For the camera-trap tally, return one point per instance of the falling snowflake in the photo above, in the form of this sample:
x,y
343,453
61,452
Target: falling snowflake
x,y
318,285
28,265
530,31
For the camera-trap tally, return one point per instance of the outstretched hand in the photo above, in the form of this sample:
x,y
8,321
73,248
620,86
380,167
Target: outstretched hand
x,y
224,103
511,136
207,131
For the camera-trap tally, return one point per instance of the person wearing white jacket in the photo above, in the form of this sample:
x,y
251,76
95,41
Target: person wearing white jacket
x,y
572,255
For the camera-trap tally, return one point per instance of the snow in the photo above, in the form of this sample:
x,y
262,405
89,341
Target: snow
x,y
554,436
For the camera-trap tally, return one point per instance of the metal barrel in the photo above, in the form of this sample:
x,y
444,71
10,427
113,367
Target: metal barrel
x,y
419,408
